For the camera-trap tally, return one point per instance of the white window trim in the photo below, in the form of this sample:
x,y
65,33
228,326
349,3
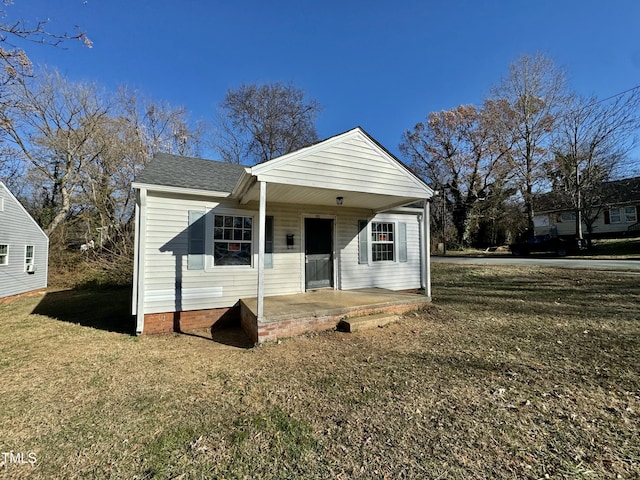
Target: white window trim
x,y
567,217
29,260
5,255
371,242
619,214
210,239
635,213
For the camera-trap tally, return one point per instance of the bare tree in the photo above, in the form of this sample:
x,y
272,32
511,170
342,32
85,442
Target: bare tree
x,y
126,140
15,66
462,153
161,127
14,60
259,122
592,139
535,92
51,126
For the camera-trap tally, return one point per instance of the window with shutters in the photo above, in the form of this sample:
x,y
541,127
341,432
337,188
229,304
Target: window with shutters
x,y
382,241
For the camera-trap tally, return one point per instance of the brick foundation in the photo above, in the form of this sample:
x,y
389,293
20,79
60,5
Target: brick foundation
x,y
168,322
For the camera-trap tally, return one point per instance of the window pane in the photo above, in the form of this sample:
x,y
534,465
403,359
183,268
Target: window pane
x,y
630,214
237,234
247,222
228,222
246,235
3,249
228,234
217,233
614,215
218,221
229,253
382,252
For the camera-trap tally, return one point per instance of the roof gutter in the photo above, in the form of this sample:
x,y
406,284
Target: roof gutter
x,y
170,189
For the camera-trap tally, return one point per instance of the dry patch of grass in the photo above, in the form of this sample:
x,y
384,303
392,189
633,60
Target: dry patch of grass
x,y
512,373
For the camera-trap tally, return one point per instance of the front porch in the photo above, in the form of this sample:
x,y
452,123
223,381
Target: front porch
x,y
315,310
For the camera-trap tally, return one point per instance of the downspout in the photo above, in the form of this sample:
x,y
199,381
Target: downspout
x,y
423,284
427,246
141,225
261,250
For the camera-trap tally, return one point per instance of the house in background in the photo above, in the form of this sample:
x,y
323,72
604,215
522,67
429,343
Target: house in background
x,y
216,240
24,248
618,216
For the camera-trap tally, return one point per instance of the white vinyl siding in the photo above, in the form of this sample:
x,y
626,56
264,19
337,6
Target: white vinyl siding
x,y
169,285
397,275
4,254
213,287
18,231
611,220
340,165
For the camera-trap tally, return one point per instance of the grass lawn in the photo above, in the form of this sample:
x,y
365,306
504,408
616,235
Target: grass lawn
x,y
511,373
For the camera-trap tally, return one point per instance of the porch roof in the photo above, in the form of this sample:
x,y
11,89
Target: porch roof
x,y
351,165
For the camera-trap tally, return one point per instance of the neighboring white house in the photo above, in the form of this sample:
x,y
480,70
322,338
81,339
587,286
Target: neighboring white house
x,y
617,212
24,248
339,214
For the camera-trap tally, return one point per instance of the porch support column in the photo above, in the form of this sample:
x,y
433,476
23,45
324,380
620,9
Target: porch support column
x,y
262,222
426,261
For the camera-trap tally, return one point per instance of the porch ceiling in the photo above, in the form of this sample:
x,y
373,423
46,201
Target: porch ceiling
x,y
300,195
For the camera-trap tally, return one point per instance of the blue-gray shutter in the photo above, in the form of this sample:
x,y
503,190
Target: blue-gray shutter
x,y
363,246
402,242
196,234
268,242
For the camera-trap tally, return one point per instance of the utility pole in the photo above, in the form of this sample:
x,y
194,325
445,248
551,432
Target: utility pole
x,y
444,220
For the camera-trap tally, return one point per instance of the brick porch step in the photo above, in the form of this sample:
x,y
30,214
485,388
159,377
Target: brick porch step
x,y
354,324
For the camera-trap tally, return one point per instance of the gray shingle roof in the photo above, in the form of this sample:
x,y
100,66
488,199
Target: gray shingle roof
x,y
188,172
616,192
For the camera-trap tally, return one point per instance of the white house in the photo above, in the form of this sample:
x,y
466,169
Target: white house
x,y
24,248
617,211
340,214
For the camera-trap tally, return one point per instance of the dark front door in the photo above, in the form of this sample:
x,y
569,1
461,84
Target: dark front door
x,y
318,239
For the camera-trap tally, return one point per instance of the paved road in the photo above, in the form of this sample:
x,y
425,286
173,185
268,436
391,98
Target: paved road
x,y
606,264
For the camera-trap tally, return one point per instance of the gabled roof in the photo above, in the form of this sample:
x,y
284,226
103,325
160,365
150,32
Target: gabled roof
x,y
351,161
335,139
12,197
616,192
192,173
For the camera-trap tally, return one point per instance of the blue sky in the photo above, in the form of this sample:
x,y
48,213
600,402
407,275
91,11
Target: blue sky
x,y
383,65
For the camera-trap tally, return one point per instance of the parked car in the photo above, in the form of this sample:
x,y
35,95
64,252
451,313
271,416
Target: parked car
x,y
547,243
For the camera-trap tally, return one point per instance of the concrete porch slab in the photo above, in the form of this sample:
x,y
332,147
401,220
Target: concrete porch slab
x,y
289,315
